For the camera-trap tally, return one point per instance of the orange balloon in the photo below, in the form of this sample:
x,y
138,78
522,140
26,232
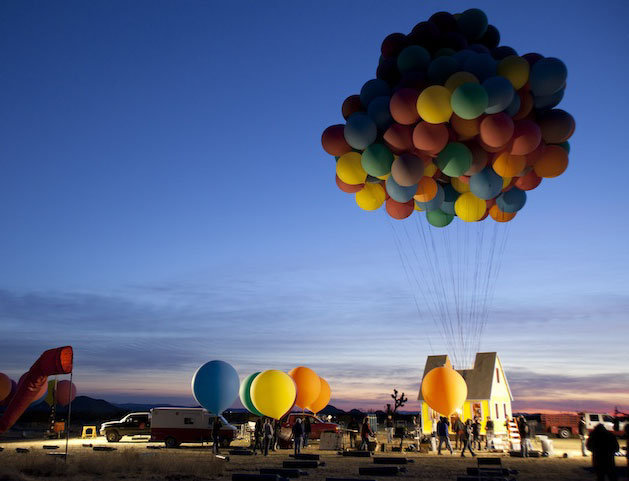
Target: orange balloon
x,y
323,399
500,216
496,130
465,129
508,165
444,390
430,137
552,162
526,104
426,189
308,385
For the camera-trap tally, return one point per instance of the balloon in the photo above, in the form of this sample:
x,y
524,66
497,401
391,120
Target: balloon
x,y
407,169
399,138
481,65
403,106
5,386
425,34
453,41
459,185
526,137
215,386
480,158
376,160
351,105
515,69
444,52
444,390
526,104
333,140
514,106
393,44
532,57
528,181
500,216
450,195
429,137
399,210
349,169
426,189
469,100
511,201
323,399
360,130
66,392
545,102
372,89
459,78
556,125
496,130
348,188
378,111
273,393
548,75
503,51
552,163
491,38
412,59
565,146
308,386
371,197
469,207
399,193
41,394
486,185
455,159
509,165
466,129
435,202
9,397
444,21
430,170
387,71
473,23
500,94
245,394
441,68
438,218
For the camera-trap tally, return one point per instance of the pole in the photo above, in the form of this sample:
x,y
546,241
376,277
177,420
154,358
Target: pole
x,y
69,417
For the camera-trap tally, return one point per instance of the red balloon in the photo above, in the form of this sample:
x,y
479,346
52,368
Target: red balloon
x,y
528,181
399,210
429,137
399,138
533,157
556,125
526,103
490,149
464,178
496,130
333,140
526,137
403,106
350,189
393,44
65,393
351,105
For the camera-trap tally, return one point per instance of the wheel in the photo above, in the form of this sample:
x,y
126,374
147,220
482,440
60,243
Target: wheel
x,y
112,436
225,443
171,442
563,433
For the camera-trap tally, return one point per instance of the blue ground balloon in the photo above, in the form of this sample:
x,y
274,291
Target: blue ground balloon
x,y
398,192
215,386
500,93
379,112
449,198
435,202
548,75
512,200
486,184
360,131
374,88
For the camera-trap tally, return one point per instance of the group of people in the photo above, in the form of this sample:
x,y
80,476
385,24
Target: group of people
x,y
467,435
266,434
365,431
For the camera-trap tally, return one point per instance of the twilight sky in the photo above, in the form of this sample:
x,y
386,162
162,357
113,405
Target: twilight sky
x,y
165,201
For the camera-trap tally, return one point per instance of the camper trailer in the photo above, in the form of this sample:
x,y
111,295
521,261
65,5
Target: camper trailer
x,y
174,426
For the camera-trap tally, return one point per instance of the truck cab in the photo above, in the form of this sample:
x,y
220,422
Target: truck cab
x,y
133,424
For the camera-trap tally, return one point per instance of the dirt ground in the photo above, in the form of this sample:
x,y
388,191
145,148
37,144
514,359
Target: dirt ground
x,y
132,460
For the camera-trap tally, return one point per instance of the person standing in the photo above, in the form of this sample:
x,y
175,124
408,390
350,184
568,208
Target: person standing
x,y
458,428
389,427
258,434
307,430
365,432
476,434
298,432
277,428
353,429
604,446
489,432
583,434
468,438
444,435
268,436
216,435
523,428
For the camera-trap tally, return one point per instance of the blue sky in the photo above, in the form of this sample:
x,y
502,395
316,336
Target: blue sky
x,y
165,201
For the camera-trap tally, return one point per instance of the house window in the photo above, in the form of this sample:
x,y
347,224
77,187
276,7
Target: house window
x,y
497,412
497,375
188,421
504,406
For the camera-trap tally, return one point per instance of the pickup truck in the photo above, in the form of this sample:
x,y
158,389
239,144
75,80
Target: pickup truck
x,y
133,424
317,426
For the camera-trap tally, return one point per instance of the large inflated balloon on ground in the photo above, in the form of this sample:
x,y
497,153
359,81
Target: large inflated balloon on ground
x,y
245,394
308,386
5,386
448,102
444,390
215,386
273,393
323,399
65,392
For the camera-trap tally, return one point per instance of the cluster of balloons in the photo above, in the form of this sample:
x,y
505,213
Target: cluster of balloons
x,y
272,393
452,125
63,394
444,390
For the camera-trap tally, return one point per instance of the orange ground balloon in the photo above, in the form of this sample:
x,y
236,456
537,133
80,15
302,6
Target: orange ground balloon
x,y
444,390
552,162
507,165
500,216
308,386
323,399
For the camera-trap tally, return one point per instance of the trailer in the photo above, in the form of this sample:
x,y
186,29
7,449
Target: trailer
x,y
175,426
562,425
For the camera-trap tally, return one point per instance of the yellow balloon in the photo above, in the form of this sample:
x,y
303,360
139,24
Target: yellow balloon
x,y
459,78
371,197
460,186
506,181
350,170
384,177
469,207
433,105
430,170
515,69
323,399
273,393
444,390
418,208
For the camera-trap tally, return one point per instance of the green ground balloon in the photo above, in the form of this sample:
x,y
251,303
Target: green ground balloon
x,y
455,159
245,394
438,218
469,100
377,160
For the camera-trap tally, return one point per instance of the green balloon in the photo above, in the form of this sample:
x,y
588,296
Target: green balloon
x,y
455,159
469,100
445,52
245,394
438,218
565,146
413,59
377,160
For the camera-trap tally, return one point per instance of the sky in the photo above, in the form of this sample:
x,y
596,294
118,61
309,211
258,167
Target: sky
x,y
165,201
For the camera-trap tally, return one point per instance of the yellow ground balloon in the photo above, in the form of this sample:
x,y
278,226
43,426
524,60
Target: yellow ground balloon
x,y
371,197
460,186
459,78
433,105
323,399
444,390
515,69
273,393
350,170
308,386
469,207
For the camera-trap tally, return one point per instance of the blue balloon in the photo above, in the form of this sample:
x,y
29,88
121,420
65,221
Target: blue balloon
x,y
486,184
545,102
548,75
500,93
514,106
360,131
462,55
398,192
449,198
502,52
482,65
441,68
435,202
215,386
374,88
479,48
379,112
512,200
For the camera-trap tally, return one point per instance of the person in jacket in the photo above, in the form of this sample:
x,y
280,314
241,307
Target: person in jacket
x,y
365,433
583,434
389,427
604,446
468,438
489,432
525,433
258,434
298,433
444,435
476,434
216,435
307,430
458,429
277,428
353,429
268,436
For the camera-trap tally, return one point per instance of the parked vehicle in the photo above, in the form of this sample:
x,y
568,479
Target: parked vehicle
x,y
174,426
133,424
317,426
562,425
615,424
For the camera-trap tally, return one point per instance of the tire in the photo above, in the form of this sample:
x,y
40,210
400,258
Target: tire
x,y
171,442
112,436
563,433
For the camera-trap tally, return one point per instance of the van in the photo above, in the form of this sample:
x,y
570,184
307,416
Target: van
x,y
174,426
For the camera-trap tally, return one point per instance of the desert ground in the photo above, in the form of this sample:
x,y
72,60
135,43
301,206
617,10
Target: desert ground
x,y
132,460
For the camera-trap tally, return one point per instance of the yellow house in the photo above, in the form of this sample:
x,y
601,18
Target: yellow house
x,y
488,393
